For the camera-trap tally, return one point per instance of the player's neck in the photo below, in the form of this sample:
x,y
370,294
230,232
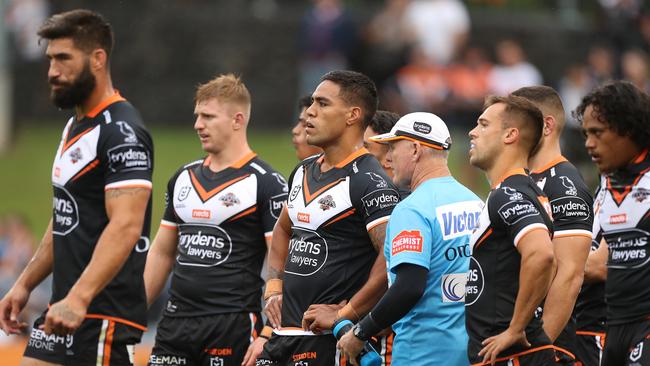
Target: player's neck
x,y
103,90
228,157
338,152
430,170
549,151
504,166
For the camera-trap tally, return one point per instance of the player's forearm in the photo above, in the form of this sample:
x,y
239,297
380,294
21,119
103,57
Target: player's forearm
x,y
596,267
278,252
40,266
373,290
561,299
534,280
156,271
111,252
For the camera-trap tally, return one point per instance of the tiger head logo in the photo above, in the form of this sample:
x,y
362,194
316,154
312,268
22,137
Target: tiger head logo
x,y
326,203
229,199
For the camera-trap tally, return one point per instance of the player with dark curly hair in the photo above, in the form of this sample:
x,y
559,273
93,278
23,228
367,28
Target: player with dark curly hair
x,y
616,123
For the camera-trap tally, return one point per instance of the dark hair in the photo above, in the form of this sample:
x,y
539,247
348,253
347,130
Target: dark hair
x,y
383,121
546,99
356,89
621,106
528,118
304,102
88,30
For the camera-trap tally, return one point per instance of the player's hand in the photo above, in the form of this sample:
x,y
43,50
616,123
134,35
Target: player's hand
x,y
350,346
65,316
273,310
498,343
320,317
253,351
10,307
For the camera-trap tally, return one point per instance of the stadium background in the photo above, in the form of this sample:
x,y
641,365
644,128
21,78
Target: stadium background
x,y
165,48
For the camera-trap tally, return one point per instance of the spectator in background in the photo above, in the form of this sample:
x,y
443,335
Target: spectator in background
x,y
23,18
441,27
327,39
16,247
299,134
600,65
634,66
513,71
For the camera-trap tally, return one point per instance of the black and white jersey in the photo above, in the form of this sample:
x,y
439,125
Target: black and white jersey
x,y
590,309
514,208
108,148
222,220
330,252
625,221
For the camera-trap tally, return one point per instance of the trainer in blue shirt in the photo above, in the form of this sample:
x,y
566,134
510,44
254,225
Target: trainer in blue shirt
x,y
427,251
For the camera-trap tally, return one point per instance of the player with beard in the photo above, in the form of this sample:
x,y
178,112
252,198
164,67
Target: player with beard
x,y
299,134
327,239
96,244
616,123
512,261
572,206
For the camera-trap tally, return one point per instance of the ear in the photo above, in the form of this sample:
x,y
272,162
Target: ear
x,y
354,116
511,135
98,59
238,122
418,150
549,125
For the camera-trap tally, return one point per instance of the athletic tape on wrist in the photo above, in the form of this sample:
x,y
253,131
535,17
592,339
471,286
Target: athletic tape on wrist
x,y
273,287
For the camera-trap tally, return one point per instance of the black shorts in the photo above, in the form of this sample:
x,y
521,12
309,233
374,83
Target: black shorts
x,y
319,350
96,340
566,345
215,340
534,357
627,344
589,347
384,346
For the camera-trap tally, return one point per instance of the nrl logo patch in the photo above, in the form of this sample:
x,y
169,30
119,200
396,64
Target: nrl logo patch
x,y
326,203
229,199
75,155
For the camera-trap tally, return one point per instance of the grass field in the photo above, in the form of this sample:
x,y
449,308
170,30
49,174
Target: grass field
x,y
26,187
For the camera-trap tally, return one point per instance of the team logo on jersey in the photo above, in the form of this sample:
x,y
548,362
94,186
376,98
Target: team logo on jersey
x,y
407,241
294,192
637,352
571,189
66,212
308,252
640,194
229,199
327,202
76,155
381,182
127,131
475,282
183,193
282,181
513,195
422,127
203,245
452,287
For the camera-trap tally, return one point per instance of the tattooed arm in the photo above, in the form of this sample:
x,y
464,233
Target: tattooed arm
x,y
278,252
125,208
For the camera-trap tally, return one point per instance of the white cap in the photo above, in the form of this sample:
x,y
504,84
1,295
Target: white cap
x,y
426,128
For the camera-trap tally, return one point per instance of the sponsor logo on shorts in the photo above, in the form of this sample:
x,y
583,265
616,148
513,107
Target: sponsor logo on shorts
x,y
326,203
304,356
636,352
570,207
65,212
422,127
216,361
515,211
618,219
128,157
203,246
308,252
452,287
407,241
167,360
201,214
39,340
475,282
303,217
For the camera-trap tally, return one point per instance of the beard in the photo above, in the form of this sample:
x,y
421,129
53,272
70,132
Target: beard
x,y
75,93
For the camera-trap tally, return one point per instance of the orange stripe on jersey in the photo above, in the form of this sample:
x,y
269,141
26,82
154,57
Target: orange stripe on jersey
x,y
71,142
105,103
117,320
108,343
620,196
85,170
206,195
128,186
169,227
550,164
253,330
247,212
311,196
346,214
641,156
517,171
483,237
354,155
241,162
593,334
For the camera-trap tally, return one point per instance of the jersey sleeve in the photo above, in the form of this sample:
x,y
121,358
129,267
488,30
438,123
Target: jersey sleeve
x,y
373,194
572,207
273,195
516,213
126,149
409,238
170,220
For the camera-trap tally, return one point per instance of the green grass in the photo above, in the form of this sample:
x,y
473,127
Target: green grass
x,y
26,186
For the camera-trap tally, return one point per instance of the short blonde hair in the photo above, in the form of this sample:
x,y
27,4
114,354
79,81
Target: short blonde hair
x,y
227,88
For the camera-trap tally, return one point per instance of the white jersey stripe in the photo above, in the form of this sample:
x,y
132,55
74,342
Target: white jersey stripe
x,y
528,229
143,183
100,343
376,222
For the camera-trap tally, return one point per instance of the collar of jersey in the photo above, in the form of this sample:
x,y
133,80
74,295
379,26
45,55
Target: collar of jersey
x,y
550,164
104,104
517,171
348,159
